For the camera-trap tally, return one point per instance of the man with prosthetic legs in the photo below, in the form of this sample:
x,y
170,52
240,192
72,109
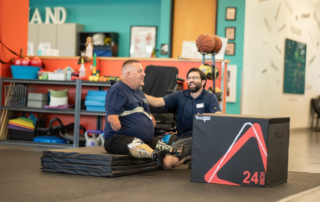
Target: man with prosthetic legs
x,y
194,100
129,127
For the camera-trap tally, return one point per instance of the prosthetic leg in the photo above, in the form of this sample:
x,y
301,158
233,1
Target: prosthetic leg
x,y
139,149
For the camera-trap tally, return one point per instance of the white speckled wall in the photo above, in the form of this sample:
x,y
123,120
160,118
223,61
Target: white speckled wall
x,y
267,24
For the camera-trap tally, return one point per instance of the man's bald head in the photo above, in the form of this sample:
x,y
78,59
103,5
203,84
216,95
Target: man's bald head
x,y
127,64
133,74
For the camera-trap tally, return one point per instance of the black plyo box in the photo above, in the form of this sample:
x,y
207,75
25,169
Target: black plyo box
x,y
240,150
15,134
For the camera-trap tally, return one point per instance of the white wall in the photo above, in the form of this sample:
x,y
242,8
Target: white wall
x,y
263,92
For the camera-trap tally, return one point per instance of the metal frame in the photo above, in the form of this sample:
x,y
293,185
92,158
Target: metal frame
x,y
222,84
77,111
42,82
42,110
235,15
35,144
234,36
214,80
234,48
77,115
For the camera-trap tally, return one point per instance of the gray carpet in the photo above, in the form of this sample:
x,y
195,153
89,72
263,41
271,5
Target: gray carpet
x,y
22,180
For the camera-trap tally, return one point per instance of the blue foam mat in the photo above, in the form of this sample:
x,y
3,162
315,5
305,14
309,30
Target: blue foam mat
x,y
96,98
49,139
94,103
94,108
97,93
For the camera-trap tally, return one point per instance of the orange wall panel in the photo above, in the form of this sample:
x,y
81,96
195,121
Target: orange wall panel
x,y
190,19
14,15
113,67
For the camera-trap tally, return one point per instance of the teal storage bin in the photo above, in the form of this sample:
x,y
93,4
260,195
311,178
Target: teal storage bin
x,y
24,72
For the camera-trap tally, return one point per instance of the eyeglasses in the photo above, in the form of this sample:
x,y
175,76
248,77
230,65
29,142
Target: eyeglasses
x,y
193,78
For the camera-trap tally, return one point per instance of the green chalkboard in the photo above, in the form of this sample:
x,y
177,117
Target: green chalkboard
x,y
294,67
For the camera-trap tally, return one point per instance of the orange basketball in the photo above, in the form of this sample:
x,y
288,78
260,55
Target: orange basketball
x,y
205,43
218,45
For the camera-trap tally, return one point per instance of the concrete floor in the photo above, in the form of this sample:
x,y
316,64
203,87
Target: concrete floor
x,y
21,180
304,156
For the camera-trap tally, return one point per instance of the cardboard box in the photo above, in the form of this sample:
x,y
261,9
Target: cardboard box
x,y
37,96
36,103
37,100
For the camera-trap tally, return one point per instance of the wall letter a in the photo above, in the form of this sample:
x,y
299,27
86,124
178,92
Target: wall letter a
x,y
36,17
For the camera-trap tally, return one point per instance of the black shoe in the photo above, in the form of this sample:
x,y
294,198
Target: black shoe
x,y
189,164
186,162
178,152
159,156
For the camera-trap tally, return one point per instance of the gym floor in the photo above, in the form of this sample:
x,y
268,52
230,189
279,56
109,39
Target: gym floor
x,y
22,180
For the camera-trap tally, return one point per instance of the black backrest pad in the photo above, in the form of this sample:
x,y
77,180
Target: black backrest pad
x,y
158,79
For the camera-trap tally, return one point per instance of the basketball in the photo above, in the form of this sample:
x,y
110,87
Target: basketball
x,y
218,45
205,43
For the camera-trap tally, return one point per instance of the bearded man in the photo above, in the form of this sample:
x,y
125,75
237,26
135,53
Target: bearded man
x,y
195,100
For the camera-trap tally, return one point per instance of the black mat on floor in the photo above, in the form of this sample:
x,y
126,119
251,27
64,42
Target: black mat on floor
x,y
22,179
111,173
98,171
93,161
98,153
98,168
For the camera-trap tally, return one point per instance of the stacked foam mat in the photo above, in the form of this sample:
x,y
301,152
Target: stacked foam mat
x,y
96,100
94,161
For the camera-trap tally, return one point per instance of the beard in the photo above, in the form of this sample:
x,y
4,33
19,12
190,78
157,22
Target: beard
x,y
194,89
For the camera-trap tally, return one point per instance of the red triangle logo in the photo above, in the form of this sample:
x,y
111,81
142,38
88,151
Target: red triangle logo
x,y
255,132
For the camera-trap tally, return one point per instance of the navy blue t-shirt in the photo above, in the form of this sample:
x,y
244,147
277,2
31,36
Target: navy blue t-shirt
x,y
121,98
187,107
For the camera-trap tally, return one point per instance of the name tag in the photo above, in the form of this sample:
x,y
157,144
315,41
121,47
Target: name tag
x,y
200,105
